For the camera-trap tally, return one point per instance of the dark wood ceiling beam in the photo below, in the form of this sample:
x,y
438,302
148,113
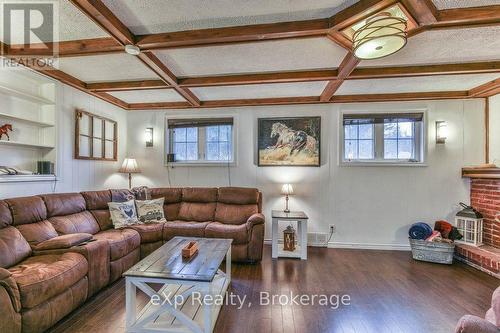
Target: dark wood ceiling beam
x,y
127,85
424,70
74,48
471,15
155,64
423,11
414,96
486,90
103,17
345,69
358,11
259,78
239,34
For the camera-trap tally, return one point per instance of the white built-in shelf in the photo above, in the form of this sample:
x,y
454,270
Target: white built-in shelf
x,y
27,178
26,120
26,96
24,144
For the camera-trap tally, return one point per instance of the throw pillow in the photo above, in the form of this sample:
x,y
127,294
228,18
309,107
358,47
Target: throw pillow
x,y
151,211
123,214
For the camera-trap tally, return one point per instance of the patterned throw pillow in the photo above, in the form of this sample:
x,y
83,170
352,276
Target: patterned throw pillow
x,y
151,211
123,214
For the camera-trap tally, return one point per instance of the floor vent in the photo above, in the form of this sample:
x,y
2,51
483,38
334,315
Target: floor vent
x,y
318,239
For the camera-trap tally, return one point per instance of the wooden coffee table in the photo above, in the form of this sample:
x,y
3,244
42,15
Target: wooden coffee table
x,y
176,306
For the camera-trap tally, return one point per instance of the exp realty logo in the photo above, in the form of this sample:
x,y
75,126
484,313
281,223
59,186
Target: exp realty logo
x,y
29,29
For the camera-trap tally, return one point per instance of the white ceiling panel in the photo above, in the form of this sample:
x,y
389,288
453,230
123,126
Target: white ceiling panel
x,y
110,67
73,24
415,84
449,4
269,56
445,46
261,91
148,96
154,16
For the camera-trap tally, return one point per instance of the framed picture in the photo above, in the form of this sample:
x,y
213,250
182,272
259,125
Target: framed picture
x,y
291,141
96,137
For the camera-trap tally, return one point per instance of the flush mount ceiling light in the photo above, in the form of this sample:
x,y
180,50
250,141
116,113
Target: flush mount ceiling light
x,y
132,49
382,35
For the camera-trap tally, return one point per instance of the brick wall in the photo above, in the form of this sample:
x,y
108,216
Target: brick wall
x,y
485,197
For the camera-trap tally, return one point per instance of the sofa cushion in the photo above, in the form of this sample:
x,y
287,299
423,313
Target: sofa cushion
x,y
5,215
234,214
200,212
121,241
27,210
63,204
83,222
171,195
13,247
63,242
37,232
97,199
199,194
238,233
183,228
103,218
149,233
40,278
238,195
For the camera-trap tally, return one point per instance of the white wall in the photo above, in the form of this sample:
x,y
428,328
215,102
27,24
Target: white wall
x,y
371,206
76,175
495,130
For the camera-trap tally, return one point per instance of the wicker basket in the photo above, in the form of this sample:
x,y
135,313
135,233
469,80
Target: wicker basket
x,y
441,253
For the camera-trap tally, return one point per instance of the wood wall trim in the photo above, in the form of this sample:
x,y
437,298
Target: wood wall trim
x,y
486,90
487,130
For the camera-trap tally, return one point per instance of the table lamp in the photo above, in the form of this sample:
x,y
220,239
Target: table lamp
x,y
287,189
129,166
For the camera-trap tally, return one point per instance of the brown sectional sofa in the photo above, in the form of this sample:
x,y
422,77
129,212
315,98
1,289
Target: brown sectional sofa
x,y
57,250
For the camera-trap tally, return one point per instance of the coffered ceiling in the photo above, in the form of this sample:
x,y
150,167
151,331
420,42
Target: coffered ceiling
x,y
199,53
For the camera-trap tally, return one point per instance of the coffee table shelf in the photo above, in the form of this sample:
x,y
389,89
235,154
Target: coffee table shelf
x,y
188,282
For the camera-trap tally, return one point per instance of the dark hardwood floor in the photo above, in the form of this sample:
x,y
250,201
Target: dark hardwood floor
x,y
389,293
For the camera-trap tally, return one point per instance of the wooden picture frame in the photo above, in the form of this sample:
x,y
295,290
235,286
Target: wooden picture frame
x,y
96,137
289,141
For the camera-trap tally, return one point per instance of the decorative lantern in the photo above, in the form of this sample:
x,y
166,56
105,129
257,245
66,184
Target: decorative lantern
x,y
289,239
469,223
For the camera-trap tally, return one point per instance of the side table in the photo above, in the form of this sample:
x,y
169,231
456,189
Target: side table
x,y
301,219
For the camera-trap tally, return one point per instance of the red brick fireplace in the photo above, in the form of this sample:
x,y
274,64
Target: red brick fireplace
x,y
485,197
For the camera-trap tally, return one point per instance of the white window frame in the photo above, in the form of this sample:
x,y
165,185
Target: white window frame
x,y
201,142
420,138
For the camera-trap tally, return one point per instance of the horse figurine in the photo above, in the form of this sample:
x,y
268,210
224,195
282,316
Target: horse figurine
x,y
5,130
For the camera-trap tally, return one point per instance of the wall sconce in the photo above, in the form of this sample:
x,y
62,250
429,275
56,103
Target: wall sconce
x,y
441,132
148,137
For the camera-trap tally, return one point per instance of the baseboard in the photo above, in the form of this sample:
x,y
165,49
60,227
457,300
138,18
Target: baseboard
x,y
369,246
361,246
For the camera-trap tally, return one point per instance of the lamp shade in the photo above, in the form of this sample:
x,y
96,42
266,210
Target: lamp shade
x,y
129,166
287,189
381,36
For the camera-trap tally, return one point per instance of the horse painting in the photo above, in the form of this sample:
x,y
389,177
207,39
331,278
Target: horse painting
x,y
289,141
5,130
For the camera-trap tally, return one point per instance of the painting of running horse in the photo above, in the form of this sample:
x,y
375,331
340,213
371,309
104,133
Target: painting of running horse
x,y
292,141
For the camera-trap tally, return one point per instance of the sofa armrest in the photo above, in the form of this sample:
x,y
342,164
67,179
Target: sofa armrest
x,y
10,285
255,219
63,242
473,324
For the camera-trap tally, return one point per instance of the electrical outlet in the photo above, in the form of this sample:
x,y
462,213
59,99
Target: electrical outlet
x,y
332,228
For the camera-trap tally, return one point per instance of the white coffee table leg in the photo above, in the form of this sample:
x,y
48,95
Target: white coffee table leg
x,y
130,302
303,239
228,265
274,239
207,308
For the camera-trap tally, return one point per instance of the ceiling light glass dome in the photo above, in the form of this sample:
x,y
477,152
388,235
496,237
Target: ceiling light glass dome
x,y
381,36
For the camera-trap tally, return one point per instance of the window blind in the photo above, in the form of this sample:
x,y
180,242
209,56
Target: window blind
x,y
377,118
198,122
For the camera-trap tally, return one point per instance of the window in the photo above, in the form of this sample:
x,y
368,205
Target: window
x,y
384,138
205,140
